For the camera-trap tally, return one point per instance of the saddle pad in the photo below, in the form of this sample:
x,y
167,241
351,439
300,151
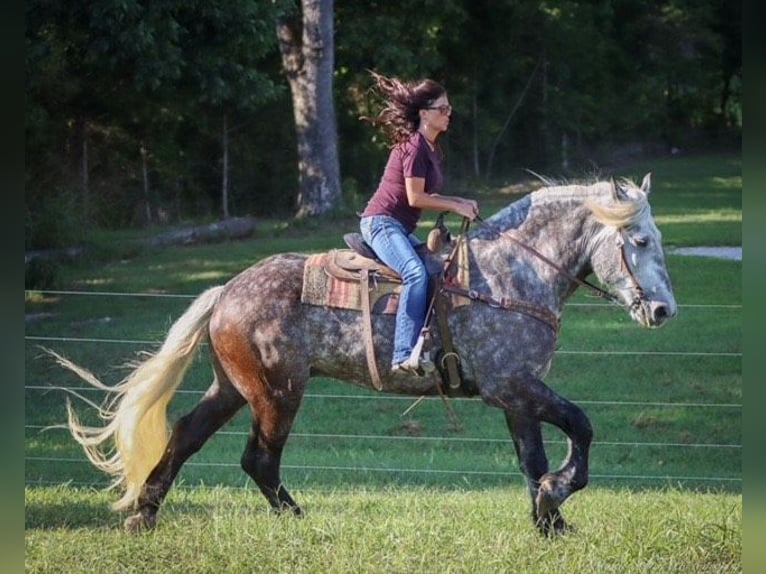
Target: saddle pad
x,y
462,275
322,288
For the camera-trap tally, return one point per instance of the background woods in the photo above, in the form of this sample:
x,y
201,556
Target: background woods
x,y
143,112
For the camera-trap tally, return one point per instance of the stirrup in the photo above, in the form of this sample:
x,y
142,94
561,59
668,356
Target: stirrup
x,y
415,365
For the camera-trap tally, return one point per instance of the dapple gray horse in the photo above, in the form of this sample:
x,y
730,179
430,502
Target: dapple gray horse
x,y
525,262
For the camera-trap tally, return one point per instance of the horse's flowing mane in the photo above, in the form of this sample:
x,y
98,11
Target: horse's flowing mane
x,y
629,208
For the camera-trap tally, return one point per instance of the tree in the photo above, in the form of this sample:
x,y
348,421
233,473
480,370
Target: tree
x,y
308,52
225,49
180,103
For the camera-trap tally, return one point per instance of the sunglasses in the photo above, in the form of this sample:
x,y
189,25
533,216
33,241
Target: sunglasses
x,y
444,109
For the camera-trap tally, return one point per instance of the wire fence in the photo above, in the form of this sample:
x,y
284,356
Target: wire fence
x,y
729,477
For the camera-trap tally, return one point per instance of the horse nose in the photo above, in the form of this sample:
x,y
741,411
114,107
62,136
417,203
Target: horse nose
x,y
660,312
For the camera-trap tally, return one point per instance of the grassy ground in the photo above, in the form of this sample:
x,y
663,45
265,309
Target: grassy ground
x,y
392,492
389,530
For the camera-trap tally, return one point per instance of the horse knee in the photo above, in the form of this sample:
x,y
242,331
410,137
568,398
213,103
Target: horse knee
x,y
578,427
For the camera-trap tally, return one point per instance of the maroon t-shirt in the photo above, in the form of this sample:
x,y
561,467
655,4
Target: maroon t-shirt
x,y
413,158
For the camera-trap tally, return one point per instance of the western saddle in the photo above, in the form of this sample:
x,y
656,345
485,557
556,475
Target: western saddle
x,y
362,264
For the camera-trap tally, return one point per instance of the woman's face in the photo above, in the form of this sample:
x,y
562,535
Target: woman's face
x,y
437,115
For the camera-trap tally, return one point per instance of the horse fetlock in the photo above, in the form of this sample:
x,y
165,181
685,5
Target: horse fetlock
x,y
551,493
140,522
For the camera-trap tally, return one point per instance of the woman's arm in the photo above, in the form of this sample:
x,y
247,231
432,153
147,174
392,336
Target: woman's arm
x,y
417,197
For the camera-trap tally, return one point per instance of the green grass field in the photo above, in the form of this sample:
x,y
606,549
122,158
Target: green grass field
x,y
395,492
391,530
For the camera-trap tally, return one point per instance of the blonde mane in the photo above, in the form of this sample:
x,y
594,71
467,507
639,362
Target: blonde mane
x,y
630,209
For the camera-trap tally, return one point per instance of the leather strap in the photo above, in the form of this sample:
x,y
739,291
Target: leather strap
x,y
450,357
535,311
369,344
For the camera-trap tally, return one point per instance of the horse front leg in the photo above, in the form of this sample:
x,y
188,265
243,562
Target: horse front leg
x,y
533,463
527,402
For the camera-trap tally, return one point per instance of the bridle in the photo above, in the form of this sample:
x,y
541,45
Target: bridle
x,y
638,298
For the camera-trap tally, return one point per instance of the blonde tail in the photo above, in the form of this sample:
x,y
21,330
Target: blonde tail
x,y
136,413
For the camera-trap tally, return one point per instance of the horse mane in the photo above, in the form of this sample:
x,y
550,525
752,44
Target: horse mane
x,y
608,207
630,208
624,209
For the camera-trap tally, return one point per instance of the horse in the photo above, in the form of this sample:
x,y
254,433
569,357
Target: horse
x,y
524,263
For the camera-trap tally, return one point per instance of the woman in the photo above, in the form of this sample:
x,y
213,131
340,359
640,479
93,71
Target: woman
x,y
413,117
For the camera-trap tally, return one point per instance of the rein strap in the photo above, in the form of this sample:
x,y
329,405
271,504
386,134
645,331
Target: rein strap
x,y
535,311
595,289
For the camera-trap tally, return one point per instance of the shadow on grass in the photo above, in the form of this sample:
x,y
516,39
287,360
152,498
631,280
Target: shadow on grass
x,y
63,507
54,515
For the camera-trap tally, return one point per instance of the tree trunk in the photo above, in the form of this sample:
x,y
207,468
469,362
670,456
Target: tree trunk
x,y
225,167
82,140
475,114
514,109
307,48
145,176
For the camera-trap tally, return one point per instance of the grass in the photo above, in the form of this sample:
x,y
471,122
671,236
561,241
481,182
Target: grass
x,y
392,492
388,530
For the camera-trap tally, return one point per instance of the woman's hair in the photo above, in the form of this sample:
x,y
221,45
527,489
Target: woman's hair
x,y
402,102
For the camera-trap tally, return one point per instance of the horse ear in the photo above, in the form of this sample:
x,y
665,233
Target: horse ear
x,y
618,194
646,184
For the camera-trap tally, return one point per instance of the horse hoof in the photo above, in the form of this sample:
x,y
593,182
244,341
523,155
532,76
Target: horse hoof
x,y
553,524
555,527
286,509
139,523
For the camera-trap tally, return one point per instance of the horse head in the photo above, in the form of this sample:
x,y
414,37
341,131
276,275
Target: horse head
x,y
628,255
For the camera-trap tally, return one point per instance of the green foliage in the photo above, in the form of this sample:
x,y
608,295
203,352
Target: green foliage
x,y
555,87
123,87
40,273
56,221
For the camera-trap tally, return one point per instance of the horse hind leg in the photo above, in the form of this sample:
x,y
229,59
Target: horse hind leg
x,y
261,460
190,432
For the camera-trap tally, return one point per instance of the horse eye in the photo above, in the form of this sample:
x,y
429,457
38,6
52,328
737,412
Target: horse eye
x,y
641,241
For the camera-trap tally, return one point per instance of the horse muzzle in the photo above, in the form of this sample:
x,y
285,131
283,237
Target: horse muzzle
x,y
652,313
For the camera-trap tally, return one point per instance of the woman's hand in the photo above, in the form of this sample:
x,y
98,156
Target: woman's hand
x,y
466,207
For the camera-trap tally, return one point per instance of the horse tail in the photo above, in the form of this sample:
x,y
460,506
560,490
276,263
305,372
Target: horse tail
x,y
135,411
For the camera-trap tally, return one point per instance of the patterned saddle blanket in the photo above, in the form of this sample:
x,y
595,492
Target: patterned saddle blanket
x,y
333,279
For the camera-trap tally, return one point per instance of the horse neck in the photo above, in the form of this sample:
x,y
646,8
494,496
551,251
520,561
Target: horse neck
x,y
558,227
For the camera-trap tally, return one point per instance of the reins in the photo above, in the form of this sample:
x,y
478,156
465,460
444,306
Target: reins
x,y
595,289
535,311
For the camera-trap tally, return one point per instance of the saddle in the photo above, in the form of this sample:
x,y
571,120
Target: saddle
x,y
355,278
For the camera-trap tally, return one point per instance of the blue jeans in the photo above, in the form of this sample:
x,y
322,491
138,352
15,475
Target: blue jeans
x,y
395,247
